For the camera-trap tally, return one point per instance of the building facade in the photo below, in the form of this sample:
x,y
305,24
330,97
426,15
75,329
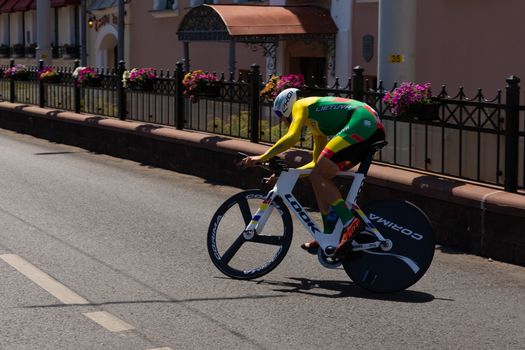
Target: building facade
x,y
454,44
18,30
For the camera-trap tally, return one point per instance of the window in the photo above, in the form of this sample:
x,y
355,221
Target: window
x,y
165,8
160,5
194,3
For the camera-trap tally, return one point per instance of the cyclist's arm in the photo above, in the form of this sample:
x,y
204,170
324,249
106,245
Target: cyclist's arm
x,y
290,138
319,142
284,143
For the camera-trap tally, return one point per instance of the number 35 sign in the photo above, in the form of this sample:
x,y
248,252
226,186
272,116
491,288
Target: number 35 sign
x,y
396,58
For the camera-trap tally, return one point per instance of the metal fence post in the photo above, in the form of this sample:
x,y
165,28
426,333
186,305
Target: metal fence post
x,y
12,96
41,88
179,97
121,95
76,90
255,103
358,83
512,114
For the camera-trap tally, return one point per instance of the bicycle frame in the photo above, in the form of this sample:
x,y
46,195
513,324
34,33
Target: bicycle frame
x,y
283,188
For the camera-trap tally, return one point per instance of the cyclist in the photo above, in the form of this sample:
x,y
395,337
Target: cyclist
x,y
352,125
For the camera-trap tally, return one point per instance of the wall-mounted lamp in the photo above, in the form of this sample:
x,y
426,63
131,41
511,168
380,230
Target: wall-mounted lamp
x,y
91,21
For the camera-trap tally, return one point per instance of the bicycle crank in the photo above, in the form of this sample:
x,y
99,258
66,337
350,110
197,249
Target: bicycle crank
x,y
327,261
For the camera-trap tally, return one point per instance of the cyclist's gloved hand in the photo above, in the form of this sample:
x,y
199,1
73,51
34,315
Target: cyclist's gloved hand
x,y
250,161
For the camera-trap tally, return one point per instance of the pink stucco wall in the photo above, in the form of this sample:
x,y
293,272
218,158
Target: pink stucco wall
x,y
365,22
154,43
475,44
458,43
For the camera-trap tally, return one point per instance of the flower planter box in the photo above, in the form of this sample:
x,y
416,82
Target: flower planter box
x,y
30,51
93,82
210,91
199,84
21,77
4,51
18,51
69,52
54,80
146,86
206,91
422,112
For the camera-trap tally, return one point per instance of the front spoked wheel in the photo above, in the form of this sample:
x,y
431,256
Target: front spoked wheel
x,y
403,259
246,255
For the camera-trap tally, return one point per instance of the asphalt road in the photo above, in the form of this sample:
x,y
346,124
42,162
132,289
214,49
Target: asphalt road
x,y
102,253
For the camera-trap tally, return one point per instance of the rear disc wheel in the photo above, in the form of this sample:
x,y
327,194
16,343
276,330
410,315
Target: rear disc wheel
x,y
400,265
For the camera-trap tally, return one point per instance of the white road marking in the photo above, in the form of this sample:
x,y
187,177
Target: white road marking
x,y
166,348
48,283
66,295
110,322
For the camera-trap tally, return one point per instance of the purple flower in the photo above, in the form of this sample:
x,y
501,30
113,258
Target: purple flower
x,y
195,81
406,95
84,74
15,71
138,76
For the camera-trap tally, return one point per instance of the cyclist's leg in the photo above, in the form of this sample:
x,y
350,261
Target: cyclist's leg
x,y
343,151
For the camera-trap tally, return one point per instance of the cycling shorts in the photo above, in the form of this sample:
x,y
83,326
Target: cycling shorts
x,y
351,145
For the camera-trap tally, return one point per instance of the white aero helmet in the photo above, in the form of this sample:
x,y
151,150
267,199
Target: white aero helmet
x,y
282,106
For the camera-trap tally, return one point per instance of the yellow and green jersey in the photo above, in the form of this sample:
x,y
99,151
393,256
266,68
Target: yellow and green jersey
x,y
348,121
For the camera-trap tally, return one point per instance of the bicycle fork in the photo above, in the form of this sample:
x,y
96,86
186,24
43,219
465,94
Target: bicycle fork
x,y
260,217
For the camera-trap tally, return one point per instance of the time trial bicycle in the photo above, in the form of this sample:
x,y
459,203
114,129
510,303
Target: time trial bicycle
x,y
251,232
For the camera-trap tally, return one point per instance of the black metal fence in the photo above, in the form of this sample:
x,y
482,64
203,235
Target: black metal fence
x,y
480,139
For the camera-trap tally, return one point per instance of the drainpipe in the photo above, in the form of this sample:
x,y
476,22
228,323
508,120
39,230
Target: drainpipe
x,y
232,57
83,33
43,51
341,12
121,14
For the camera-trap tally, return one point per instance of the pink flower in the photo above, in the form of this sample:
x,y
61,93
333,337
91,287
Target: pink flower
x,y
138,76
278,84
83,74
194,80
15,71
405,95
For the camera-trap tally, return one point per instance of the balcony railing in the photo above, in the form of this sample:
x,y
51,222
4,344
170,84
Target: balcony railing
x,y
29,51
66,51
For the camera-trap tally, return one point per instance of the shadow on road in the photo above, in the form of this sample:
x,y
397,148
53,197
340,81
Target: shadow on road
x,y
156,301
343,289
